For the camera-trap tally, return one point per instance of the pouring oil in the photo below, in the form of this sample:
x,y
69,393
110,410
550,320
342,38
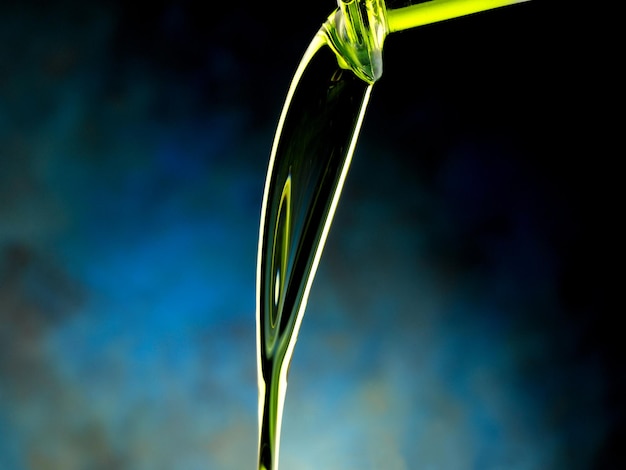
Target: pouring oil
x,y
310,157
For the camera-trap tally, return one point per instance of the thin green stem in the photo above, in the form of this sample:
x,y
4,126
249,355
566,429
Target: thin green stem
x,y
433,11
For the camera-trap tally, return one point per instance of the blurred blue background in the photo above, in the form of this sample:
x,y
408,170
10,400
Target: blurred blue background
x,y
459,319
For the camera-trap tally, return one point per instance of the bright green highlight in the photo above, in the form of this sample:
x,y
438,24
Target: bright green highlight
x,y
438,10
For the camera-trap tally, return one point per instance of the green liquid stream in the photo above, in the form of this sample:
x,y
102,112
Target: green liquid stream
x,y
312,150
311,154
